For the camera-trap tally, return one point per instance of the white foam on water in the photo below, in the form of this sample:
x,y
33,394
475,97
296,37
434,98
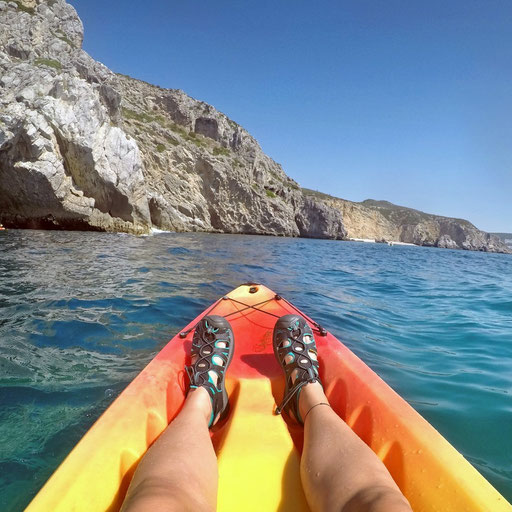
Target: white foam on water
x,y
366,240
156,231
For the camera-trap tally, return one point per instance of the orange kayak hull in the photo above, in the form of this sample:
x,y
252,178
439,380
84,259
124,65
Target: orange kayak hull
x,y
259,452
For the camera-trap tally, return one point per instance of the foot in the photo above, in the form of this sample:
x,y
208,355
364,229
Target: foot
x,y
311,395
212,351
199,399
295,350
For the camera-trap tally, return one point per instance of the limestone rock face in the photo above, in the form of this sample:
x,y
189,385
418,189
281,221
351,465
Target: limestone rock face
x,y
84,148
446,242
62,162
506,238
384,221
317,220
361,222
203,171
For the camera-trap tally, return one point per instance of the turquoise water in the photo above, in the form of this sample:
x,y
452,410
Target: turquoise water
x,y
82,313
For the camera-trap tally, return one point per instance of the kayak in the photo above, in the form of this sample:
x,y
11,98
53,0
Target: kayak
x,y
258,451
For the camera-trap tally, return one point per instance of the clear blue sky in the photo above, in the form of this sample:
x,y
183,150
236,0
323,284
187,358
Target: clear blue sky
x,y
401,100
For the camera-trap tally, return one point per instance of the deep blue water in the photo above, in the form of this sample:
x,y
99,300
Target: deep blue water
x,y
82,313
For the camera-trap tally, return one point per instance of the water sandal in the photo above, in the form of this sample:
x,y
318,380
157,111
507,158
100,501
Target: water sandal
x,y
210,333
295,350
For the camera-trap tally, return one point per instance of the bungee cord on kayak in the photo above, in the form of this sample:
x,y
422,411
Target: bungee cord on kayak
x,y
276,297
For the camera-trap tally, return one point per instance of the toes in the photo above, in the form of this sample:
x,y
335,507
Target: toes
x,y
214,377
218,360
288,358
285,343
308,338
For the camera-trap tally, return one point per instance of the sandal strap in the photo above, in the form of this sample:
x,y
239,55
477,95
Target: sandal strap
x,y
291,393
214,393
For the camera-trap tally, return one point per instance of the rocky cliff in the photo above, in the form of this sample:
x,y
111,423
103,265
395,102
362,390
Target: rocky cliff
x,y
84,148
384,221
506,238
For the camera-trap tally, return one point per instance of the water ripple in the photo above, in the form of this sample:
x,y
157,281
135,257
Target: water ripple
x,y
82,313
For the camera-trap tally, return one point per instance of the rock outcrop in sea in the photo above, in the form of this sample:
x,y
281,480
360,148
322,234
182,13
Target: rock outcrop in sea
x,y
84,148
385,221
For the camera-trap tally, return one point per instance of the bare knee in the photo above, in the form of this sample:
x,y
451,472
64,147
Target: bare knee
x,y
377,499
164,496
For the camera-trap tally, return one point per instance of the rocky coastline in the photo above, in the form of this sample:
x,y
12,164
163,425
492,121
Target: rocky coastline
x,y
82,147
383,221
506,239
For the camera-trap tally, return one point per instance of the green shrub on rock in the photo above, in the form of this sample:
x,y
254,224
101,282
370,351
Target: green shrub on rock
x,y
62,36
221,151
51,63
172,140
24,8
142,117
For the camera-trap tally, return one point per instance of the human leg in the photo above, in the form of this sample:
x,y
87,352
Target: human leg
x,y
339,472
179,472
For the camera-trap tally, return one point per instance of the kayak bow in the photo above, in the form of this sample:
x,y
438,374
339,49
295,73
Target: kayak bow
x,y
259,452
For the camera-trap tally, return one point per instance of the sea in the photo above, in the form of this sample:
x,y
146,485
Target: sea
x,y
81,313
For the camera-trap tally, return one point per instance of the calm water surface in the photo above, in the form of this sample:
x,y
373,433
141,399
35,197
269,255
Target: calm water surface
x,y
82,313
